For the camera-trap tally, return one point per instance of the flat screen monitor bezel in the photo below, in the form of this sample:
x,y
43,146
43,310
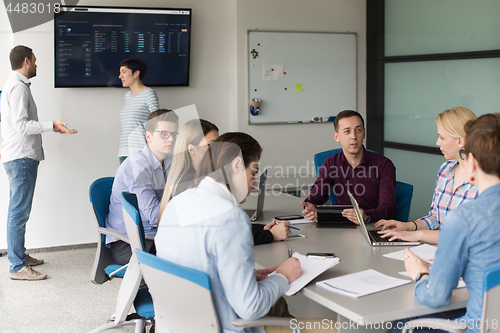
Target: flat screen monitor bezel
x,y
132,8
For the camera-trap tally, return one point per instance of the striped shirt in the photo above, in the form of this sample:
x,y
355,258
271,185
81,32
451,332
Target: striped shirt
x,y
445,199
133,117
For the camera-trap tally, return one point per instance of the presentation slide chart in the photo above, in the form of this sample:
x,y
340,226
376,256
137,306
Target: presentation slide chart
x,y
90,43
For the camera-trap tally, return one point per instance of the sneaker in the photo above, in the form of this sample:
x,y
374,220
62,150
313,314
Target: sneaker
x,y
30,261
27,273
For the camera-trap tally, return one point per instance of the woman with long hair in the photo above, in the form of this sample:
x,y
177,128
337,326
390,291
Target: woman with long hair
x,y
452,185
191,145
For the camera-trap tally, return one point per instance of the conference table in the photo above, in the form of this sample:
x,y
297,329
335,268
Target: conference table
x,y
369,313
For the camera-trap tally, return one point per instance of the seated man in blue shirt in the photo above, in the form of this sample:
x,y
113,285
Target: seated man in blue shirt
x,y
369,176
145,174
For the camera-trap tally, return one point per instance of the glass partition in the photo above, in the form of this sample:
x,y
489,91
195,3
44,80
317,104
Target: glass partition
x,y
416,92
419,170
429,26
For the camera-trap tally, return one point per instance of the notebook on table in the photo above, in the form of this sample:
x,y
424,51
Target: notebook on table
x,y
372,236
254,214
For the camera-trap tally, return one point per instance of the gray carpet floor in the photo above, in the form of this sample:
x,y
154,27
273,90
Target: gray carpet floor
x,y
65,302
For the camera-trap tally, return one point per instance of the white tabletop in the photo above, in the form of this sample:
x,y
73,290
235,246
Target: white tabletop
x,y
356,255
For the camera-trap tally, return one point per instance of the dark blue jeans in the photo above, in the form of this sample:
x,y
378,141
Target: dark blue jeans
x,y
397,326
22,178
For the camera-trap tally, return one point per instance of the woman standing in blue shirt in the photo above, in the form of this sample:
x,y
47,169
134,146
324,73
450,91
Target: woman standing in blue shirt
x,y
140,101
469,242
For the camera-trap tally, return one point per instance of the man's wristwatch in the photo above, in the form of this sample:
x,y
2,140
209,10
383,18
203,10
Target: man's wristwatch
x,y
420,276
367,219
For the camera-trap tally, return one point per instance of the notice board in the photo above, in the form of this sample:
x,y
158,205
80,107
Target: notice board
x,y
301,75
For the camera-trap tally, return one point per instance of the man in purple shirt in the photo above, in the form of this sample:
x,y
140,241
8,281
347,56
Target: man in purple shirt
x,y
369,176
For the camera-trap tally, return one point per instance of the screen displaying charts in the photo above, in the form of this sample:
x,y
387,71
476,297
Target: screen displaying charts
x,y
90,43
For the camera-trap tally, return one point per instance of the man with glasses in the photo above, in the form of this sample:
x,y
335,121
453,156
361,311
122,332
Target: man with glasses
x,y
145,174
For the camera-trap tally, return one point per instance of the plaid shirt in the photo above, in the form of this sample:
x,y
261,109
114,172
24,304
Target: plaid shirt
x,y
444,198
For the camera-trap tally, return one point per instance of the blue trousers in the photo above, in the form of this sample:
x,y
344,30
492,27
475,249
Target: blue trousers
x,y
22,178
397,326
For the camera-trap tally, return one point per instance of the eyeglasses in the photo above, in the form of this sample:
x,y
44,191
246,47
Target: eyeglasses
x,y
463,155
166,134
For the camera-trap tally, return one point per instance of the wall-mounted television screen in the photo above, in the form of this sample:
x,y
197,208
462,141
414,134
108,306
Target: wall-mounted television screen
x,y
90,42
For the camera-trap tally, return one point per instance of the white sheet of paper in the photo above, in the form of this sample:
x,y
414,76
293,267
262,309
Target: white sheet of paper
x,y
461,282
362,283
272,72
425,252
311,268
301,221
294,237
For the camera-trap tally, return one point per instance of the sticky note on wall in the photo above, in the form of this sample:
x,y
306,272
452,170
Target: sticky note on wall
x,y
298,86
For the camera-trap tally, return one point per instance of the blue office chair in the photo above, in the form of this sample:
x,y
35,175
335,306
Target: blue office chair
x,y
183,301
404,191
489,315
104,266
404,194
129,291
319,160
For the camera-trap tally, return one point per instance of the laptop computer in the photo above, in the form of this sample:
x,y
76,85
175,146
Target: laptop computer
x,y
330,216
254,214
372,236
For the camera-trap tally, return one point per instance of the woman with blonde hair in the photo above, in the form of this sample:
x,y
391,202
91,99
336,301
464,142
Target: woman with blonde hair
x,y
191,145
452,185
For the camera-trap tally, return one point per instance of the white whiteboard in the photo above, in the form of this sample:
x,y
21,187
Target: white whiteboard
x,y
323,63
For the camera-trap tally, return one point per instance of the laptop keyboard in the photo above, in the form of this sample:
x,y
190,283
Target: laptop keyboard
x,y
249,212
375,236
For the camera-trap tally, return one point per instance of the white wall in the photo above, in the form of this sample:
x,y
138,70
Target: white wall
x,y
61,212
294,145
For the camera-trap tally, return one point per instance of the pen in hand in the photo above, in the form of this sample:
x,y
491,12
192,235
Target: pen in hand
x,y
294,228
289,252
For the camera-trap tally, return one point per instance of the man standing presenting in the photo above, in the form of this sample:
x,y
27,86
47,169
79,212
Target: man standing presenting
x,y
145,174
21,153
369,176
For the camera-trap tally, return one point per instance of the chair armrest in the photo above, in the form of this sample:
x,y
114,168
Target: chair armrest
x,y
113,233
264,321
434,323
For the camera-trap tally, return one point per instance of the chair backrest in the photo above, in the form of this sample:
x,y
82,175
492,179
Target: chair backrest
x,y
99,195
404,194
133,222
404,191
133,276
182,296
319,160
491,300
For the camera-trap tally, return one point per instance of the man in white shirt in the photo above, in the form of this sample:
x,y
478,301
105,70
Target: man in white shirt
x,y
21,153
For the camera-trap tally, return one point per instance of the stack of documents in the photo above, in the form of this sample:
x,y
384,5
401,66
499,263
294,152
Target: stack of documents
x,y
362,283
311,268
